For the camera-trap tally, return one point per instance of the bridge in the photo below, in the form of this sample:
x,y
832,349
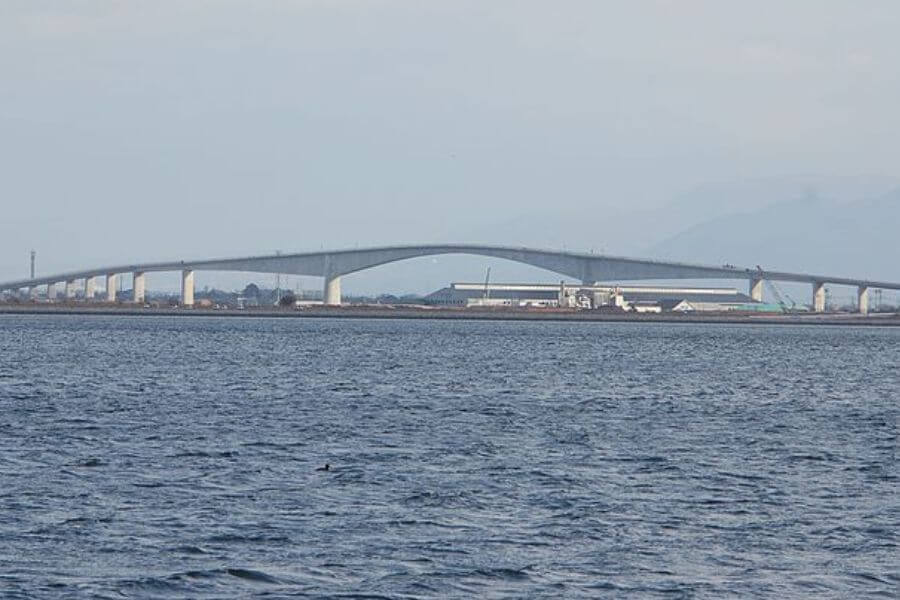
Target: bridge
x,y
332,265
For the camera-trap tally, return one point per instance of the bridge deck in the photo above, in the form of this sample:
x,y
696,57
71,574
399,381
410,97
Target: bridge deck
x,y
341,262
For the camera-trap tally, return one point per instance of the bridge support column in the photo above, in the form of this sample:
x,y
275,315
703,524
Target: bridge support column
x,y
187,287
819,297
756,289
51,292
138,287
111,284
69,289
88,289
332,292
863,295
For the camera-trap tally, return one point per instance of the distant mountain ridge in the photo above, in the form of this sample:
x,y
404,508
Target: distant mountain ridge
x,y
807,234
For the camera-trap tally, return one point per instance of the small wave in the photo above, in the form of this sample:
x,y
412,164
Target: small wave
x,y
436,548
149,484
711,501
241,573
425,523
812,457
187,549
635,459
251,575
871,578
604,585
867,468
503,573
744,476
151,584
437,499
262,444
74,522
197,575
203,454
227,538
342,387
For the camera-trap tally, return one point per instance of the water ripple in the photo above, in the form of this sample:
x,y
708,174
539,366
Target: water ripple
x,y
173,458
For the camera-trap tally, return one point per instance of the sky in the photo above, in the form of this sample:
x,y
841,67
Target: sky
x,y
138,131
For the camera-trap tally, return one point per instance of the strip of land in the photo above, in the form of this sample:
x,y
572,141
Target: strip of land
x,y
496,314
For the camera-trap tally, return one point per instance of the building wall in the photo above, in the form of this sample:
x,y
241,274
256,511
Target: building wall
x,y
520,295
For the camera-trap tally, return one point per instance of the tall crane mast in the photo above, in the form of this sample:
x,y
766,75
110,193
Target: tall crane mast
x,y
776,292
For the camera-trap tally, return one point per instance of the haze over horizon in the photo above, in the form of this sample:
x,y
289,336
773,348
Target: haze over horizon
x,y
684,130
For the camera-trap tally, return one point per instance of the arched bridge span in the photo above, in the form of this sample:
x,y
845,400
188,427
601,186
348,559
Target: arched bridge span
x,y
333,264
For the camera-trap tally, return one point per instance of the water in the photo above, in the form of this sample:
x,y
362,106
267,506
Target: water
x,y
176,458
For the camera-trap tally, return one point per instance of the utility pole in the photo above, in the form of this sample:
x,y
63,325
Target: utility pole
x,y
33,254
278,283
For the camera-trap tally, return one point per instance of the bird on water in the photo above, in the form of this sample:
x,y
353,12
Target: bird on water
x,y
327,467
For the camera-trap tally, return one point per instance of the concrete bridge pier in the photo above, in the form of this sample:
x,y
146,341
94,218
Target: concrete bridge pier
x,y
756,289
139,286
863,296
187,287
111,284
819,296
69,289
332,292
51,292
88,289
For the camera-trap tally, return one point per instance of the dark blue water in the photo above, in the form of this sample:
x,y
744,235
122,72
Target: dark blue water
x,y
176,458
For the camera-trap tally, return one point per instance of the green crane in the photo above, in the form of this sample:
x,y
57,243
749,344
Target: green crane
x,y
778,294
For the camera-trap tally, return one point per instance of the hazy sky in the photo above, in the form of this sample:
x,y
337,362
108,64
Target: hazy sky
x,y
162,130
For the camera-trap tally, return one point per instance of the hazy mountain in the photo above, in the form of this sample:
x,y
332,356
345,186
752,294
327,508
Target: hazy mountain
x,y
809,233
614,227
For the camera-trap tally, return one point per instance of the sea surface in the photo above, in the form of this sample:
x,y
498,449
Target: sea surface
x,y
176,457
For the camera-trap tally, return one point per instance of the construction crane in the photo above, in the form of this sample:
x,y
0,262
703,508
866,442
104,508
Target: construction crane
x,y
777,293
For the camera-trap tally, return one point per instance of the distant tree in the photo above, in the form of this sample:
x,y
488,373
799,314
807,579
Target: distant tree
x,y
411,299
251,291
288,299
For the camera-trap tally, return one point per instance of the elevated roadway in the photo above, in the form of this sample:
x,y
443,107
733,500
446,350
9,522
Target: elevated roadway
x,y
333,264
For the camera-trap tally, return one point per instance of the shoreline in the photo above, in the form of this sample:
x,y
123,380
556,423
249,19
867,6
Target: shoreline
x,y
372,312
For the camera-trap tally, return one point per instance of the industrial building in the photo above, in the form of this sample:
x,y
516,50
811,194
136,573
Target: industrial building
x,y
642,299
